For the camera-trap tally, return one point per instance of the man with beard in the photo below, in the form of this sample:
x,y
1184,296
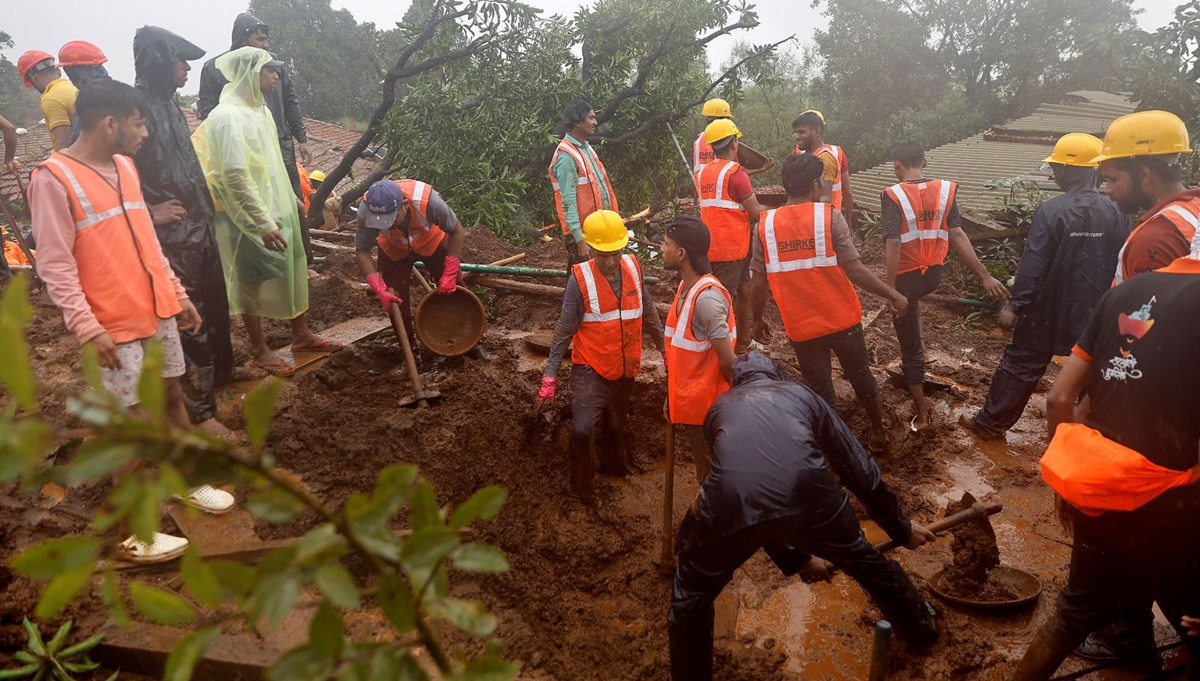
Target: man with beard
x,y
182,209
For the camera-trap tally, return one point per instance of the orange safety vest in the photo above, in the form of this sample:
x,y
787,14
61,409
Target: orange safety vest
x,y
1184,214
587,190
306,188
1095,474
843,164
423,237
694,377
702,155
727,220
119,260
924,233
609,338
813,293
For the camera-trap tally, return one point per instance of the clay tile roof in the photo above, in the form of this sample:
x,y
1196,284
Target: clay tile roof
x,y
33,146
1006,150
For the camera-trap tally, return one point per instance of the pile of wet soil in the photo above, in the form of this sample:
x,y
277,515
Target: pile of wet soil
x,y
976,556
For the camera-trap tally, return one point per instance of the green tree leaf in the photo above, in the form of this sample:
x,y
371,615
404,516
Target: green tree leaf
x,y
319,540
337,585
159,605
326,633
183,658
274,597
16,373
258,408
426,548
305,662
485,504
470,616
490,669
54,557
396,601
152,390
59,592
199,577
110,595
425,511
96,459
478,557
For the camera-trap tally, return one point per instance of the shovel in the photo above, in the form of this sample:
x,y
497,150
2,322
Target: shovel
x,y
420,396
12,223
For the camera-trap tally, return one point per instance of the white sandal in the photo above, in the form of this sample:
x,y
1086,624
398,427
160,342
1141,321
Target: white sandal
x,y
209,499
160,549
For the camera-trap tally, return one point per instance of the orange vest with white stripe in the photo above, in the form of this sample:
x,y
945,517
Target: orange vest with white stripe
x,y
924,231
1184,214
727,220
813,293
588,197
694,377
306,188
423,236
702,155
116,250
843,165
609,339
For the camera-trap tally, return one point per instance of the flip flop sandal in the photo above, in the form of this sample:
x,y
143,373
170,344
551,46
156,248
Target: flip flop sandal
x,y
878,447
160,549
321,344
276,368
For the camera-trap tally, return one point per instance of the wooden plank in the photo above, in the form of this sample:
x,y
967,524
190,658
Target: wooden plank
x,y
143,649
352,331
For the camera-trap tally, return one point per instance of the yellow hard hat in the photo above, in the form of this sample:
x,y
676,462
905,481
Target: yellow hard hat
x,y
719,130
1145,133
717,108
316,176
1075,149
605,231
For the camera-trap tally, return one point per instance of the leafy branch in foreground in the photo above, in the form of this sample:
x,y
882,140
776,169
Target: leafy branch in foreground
x,y
53,659
407,567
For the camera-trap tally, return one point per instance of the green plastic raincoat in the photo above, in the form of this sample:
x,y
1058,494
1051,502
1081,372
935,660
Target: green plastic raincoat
x,y
238,149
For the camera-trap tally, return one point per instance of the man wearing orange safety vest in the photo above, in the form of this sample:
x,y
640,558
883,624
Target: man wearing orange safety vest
x,y
729,207
1126,475
700,335
102,264
702,152
604,304
809,132
579,179
920,224
408,221
805,253
1140,162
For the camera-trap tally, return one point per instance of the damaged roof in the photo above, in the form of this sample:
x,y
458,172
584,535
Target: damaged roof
x,y
1008,150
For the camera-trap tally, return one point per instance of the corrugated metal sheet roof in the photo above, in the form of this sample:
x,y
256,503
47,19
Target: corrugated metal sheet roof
x,y
1006,150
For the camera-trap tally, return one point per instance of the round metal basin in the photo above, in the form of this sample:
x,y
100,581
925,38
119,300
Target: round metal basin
x,y
1025,585
450,325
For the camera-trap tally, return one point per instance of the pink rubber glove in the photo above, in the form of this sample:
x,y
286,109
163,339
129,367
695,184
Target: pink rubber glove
x,y
449,280
386,297
547,391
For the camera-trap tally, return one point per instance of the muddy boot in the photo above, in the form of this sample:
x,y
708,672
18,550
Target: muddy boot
x,y
1130,645
583,471
614,460
1047,652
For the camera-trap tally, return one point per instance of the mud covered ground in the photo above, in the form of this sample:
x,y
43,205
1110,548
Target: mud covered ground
x,y
583,599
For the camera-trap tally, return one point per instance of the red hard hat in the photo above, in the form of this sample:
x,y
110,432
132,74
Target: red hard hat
x,y
30,59
80,53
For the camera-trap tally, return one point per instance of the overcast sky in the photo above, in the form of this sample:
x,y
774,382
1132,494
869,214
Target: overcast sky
x,y
47,24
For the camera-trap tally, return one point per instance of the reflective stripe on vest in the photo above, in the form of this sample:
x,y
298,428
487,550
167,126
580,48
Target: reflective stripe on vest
x,y
591,293
588,195
914,230
119,263
728,221
814,296
822,258
694,378
423,237
1174,213
91,216
719,200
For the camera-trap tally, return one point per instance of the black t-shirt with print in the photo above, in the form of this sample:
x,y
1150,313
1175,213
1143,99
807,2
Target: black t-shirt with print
x,y
1144,340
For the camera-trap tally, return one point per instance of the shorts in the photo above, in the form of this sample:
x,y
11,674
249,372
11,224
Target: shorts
x,y
732,273
123,382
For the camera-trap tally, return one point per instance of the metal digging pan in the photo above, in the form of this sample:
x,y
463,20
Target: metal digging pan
x,y
450,325
1028,586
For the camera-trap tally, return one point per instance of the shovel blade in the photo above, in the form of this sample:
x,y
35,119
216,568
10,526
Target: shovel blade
x,y
414,400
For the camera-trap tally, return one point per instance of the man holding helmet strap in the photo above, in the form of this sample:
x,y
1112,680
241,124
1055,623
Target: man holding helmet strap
x,y
604,304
